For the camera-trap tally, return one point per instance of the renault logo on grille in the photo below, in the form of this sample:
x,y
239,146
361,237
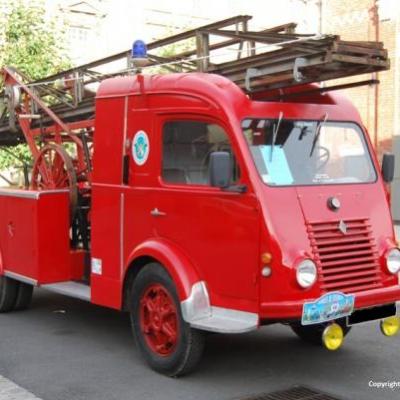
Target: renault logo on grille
x,y
342,227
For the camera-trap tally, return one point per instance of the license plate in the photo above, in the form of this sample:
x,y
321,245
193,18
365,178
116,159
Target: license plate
x,y
327,308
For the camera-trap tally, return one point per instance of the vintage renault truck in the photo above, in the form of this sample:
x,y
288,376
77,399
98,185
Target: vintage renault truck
x,y
215,211
226,198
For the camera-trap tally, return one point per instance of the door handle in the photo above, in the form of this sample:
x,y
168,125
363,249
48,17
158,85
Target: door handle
x,y
155,212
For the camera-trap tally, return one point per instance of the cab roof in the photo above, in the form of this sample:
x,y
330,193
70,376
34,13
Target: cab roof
x,y
220,91
200,83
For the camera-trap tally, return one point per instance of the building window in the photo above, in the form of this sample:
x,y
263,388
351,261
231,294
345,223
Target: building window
x,y
80,34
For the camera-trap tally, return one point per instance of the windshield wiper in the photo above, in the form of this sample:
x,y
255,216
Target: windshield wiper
x,y
317,132
275,134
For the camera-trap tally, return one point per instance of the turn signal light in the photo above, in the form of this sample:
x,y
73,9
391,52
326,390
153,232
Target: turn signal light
x,y
266,258
390,326
332,337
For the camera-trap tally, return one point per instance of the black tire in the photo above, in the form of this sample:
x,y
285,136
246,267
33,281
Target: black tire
x,y
313,333
189,346
8,294
24,296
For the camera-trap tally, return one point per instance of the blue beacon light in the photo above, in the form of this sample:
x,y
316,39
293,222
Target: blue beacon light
x,y
139,53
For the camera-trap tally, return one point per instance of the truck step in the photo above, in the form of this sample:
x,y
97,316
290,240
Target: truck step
x,y
223,320
70,288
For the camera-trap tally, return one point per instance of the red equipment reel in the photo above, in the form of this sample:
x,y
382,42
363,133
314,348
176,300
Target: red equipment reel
x,y
54,169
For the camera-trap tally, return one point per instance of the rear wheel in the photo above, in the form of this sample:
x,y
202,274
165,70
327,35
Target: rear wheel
x,y
24,296
168,343
8,294
313,333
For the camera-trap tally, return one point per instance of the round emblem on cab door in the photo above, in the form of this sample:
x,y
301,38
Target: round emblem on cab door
x,y
140,147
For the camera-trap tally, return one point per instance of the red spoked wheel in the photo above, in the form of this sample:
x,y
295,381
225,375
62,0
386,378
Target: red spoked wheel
x,y
166,341
159,320
54,169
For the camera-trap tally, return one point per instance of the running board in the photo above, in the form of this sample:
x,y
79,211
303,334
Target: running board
x,y
70,288
200,314
225,320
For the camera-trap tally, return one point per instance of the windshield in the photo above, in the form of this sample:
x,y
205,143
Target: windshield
x,y
289,152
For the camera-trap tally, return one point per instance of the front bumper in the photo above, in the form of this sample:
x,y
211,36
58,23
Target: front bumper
x,y
200,314
286,310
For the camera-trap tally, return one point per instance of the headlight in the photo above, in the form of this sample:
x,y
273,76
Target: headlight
x,y
306,273
393,261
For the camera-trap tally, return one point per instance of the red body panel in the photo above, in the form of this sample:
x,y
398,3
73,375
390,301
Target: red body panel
x,y
32,244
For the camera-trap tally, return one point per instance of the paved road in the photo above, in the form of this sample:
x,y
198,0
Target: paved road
x,y
87,353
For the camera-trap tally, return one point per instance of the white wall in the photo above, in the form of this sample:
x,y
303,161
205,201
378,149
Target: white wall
x,y
127,20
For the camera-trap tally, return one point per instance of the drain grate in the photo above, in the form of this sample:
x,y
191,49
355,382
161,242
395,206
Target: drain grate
x,y
294,393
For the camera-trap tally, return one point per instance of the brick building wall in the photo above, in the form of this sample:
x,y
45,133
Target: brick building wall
x,y
355,21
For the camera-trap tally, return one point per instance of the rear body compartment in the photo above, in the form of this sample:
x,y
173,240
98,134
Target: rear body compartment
x,y
34,235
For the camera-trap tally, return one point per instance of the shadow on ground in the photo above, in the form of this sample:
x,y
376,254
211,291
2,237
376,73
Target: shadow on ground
x,y
68,349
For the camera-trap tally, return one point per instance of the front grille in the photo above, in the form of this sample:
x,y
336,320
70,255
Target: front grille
x,y
348,261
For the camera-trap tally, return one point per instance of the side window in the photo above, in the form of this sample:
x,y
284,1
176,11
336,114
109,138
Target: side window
x,y
187,146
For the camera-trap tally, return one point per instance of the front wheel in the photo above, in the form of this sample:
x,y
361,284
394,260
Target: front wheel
x,y
168,343
313,333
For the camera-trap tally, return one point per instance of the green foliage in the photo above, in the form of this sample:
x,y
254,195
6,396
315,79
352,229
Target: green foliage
x,y
31,42
16,156
171,50
179,47
35,45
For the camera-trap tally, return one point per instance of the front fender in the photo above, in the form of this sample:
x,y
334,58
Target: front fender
x,y
192,291
178,265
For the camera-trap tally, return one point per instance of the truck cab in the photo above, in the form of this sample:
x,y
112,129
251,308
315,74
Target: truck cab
x,y
259,211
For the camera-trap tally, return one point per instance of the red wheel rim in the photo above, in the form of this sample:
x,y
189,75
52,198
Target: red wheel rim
x,y
159,320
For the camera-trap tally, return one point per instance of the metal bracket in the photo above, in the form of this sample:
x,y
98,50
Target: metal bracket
x,y
13,99
298,63
77,88
251,73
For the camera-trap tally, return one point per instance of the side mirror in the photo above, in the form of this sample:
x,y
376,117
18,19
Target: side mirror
x,y
220,169
388,167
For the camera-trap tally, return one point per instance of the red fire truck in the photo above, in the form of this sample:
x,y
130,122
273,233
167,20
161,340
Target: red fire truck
x,y
198,207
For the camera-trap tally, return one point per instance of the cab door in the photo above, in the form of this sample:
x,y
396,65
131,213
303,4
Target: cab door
x,y
218,230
